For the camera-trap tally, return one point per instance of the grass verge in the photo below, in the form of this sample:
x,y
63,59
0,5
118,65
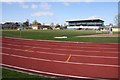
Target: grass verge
x,y
50,34
8,74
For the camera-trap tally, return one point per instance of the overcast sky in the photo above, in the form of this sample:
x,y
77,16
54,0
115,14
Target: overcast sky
x,y
58,12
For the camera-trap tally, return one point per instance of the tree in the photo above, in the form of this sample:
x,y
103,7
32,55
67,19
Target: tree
x,y
36,23
57,26
52,25
26,24
117,20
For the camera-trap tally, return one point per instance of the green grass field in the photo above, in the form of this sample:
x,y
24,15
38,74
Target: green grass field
x,y
50,34
15,75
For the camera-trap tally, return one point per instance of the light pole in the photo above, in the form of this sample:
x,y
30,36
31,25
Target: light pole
x,y
20,29
20,33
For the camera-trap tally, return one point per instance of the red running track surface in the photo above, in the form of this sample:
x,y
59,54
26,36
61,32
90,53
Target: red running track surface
x,y
62,59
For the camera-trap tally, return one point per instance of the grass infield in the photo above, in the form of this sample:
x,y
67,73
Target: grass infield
x,y
8,74
71,35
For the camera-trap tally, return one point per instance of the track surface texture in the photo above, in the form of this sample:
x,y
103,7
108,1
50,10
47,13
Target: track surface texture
x,y
62,59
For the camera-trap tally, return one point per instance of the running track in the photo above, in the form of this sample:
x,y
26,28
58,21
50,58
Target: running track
x,y
61,59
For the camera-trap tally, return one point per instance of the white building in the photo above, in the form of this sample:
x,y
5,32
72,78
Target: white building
x,y
85,24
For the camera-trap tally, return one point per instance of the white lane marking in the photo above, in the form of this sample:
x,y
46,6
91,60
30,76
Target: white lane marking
x,y
58,41
72,46
94,56
49,73
35,51
6,47
61,54
17,56
91,64
4,54
50,53
62,49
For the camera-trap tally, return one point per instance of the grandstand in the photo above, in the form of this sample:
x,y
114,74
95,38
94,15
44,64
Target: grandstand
x,y
85,24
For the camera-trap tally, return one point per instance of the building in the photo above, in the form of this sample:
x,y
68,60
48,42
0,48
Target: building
x,y
85,24
115,29
35,27
45,27
10,25
41,27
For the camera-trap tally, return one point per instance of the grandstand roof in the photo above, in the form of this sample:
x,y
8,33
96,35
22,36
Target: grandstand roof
x,y
85,20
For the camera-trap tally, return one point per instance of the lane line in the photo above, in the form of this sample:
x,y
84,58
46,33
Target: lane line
x,y
91,64
19,56
49,73
95,56
70,46
65,49
68,58
29,49
91,47
59,53
60,41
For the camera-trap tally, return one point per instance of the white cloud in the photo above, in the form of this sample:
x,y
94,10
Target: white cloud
x,y
10,3
95,17
23,5
66,3
88,0
20,2
14,0
34,6
59,0
70,3
39,14
45,5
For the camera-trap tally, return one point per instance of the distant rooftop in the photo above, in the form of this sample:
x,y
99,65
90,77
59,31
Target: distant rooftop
x,y
84,20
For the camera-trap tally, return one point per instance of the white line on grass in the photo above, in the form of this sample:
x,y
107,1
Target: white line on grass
x,y
60,41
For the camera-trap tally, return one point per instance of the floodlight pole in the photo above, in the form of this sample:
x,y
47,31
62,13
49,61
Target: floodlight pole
x,y
20,33
20,30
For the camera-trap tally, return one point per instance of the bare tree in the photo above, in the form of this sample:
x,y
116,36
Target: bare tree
x,y
35,22
52,25
57,25
117,20
26,24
